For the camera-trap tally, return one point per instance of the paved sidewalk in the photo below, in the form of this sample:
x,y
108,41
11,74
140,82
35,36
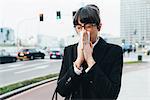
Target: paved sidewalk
x,y
135,85
43,92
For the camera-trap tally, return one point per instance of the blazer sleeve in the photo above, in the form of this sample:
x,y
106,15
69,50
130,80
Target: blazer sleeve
x,y
106,86
68,80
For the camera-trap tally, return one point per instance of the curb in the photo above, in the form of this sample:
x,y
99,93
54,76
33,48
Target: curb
x,y
14,92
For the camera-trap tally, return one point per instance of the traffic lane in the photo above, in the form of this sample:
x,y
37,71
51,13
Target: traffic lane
x,y
129,86
43,92
28,70
23,64
26,62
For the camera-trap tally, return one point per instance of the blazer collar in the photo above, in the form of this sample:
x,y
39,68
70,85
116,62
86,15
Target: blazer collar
x,y
101,42
99,49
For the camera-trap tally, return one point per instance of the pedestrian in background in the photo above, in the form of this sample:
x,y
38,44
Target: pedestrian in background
x,y
92,68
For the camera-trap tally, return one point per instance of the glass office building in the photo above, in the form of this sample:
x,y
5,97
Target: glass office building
x,y
135,21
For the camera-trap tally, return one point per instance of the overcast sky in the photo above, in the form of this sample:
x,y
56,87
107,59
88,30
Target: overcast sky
x,y
13,11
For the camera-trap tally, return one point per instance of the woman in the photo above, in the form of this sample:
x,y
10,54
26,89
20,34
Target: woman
x,y
92,68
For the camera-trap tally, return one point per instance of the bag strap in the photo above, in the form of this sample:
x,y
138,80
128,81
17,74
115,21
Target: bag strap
x,y
54,97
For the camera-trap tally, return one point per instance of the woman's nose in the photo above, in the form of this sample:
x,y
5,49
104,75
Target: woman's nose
x,y
83,29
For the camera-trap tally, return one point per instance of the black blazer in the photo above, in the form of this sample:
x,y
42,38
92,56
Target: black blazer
x,y
101,82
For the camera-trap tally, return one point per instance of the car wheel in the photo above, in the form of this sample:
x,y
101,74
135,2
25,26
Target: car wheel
x,y
31,58
42,57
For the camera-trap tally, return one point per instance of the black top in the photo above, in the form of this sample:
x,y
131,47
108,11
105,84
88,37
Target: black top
x,y
101,82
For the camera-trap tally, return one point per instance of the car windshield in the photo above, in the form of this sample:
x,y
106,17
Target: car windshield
x,y
55,51
27,50
23,50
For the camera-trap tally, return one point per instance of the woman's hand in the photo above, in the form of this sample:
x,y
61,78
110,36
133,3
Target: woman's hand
x,y
88,50
80,55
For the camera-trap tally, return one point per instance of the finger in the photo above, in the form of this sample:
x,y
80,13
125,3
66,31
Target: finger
x,y
82,35
85,37
91,45
80,45
88,36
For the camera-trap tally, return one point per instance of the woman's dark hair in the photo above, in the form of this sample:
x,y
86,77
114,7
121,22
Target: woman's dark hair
x,y
88,14
94,7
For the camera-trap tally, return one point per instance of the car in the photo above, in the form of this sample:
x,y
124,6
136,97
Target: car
x,y
30,54
5,57
56,54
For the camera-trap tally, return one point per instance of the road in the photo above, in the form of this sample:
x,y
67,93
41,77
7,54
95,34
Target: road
x,y
23,70
135,86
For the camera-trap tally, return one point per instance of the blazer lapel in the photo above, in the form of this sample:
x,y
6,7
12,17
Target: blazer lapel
x,y
75,52
99,50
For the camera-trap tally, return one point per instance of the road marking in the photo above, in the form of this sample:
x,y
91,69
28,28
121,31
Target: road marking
x,y
58,60
31,69
16,65
33,65
11,66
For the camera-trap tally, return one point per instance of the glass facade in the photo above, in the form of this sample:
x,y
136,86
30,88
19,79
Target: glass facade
x,y
135,21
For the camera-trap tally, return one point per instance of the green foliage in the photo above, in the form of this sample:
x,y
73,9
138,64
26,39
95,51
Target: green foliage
x,y
132,62
18,85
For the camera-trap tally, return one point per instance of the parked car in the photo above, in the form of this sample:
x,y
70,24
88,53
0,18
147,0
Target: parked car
x,y
56,54
5,57
30,54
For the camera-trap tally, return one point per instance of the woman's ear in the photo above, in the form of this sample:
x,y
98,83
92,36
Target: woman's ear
x,y
99,27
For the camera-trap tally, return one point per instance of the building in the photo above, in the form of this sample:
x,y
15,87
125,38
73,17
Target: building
x,y
53,19
7,36
135,21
